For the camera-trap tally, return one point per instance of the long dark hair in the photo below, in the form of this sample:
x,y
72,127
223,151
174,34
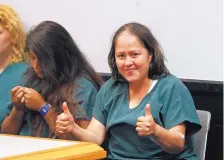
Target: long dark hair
x,y
61,63
157,67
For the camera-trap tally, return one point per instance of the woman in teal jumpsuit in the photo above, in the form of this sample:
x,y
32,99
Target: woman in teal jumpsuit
x,y
58,73
144,111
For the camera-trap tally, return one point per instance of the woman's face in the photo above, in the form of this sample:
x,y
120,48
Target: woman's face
x,y
35,64
132,58
5,41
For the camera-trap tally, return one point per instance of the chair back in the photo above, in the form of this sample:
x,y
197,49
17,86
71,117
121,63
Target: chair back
x,y
200,138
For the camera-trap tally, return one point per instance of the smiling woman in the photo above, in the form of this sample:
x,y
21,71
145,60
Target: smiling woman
x,y
143,110
132,58
12,45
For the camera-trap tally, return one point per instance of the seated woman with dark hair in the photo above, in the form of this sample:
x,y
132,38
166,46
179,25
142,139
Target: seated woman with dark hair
x,y
59,73
12,57
143,110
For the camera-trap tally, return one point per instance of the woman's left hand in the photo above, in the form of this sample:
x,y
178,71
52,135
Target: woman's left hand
x,y
146,125
33,100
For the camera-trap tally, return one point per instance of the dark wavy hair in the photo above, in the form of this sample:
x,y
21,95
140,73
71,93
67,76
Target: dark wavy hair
x,y
61,63
157,67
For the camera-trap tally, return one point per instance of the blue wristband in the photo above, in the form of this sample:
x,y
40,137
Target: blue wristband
x,y
43,111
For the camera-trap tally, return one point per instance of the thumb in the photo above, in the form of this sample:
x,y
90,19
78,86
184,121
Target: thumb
x,y
147,110
65,108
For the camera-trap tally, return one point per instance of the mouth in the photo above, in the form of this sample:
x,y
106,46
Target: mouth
x,y
38,72
36,69
130,70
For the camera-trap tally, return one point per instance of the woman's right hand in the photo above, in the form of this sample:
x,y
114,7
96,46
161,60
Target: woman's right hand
x,y
65,122
17,98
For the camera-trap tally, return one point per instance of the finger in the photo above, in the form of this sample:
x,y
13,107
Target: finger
x,y
26,101
143,119
139,129
62,123
147,110
142,134
62,129
142,129
58,134
26,90
65,108
23,100
13,91
18,91
26,96
20,95
142,124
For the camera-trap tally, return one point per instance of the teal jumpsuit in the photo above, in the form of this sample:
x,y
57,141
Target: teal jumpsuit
x,y
9,78
171,104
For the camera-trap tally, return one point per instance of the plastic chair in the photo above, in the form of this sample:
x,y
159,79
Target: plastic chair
x,y
200,138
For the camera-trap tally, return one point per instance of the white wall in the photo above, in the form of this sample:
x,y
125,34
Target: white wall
x,y
190,31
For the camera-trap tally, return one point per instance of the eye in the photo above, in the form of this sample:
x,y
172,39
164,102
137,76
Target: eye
x,y
31,58
120,55
135,54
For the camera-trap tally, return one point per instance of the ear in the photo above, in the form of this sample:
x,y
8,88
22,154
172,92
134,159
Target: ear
x,y
150,57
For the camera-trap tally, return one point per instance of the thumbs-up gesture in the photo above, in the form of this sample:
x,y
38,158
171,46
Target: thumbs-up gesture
x,y
65,121
146,125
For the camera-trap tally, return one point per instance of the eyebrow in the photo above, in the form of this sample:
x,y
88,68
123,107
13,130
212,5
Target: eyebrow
x,y
119,52
128,51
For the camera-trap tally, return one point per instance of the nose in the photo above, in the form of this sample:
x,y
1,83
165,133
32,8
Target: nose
x,y
128,61
34,65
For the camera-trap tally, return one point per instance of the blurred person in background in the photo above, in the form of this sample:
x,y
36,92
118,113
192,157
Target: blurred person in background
x,y
12,66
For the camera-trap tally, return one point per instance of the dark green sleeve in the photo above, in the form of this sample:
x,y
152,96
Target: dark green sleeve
x,y
179,107
99,111
85,94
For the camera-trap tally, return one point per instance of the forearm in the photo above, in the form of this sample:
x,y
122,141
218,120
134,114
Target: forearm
x,y
87,135
13,123
50,118
170,141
